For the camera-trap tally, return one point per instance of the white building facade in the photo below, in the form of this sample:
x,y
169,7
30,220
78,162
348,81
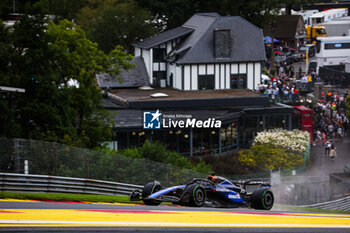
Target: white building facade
x,y
208,52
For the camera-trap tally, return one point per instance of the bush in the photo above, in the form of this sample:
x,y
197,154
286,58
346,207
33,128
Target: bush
x,y
277,148
269,157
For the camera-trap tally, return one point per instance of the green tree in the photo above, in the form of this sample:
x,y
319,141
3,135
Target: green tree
x,y
14,6
114,22
42,59
79,59
8,123
62,9
173,13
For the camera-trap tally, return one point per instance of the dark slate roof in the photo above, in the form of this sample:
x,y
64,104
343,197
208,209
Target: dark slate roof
x,y
136,77
164,37
109,104
211,14
128,118
286,26
247,40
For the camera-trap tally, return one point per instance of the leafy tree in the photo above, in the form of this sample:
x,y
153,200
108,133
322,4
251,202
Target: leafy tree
x,y
63,9
79,59
14,6
115,22
8,123
42,59
173,13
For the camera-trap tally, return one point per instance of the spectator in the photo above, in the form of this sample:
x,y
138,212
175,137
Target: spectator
x,y
332,152
340,132
327,148
275,94
303,81
318,136
324,137
331,130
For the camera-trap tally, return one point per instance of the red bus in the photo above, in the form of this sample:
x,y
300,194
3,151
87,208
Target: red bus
x,y
303,119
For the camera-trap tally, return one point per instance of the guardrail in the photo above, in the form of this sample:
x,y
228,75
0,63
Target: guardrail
x,y
340,204
13,182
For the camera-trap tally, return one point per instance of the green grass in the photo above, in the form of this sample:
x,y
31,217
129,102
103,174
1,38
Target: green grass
x,y
68,197
307,209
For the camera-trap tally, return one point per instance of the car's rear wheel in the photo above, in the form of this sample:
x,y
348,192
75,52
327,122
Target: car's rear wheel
x,y
197,195
148,189
262,199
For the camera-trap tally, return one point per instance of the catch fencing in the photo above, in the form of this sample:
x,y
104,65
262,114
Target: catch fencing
x,y
301,190
54,159
11,182
340,204
48,160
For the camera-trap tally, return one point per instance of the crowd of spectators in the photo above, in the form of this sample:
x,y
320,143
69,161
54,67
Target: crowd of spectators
x,y
285,87
330,119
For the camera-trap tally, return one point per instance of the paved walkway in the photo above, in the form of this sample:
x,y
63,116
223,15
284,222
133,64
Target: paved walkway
x,y
320,165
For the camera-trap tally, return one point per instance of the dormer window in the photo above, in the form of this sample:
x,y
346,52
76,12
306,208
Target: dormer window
x,y
159,54
222,43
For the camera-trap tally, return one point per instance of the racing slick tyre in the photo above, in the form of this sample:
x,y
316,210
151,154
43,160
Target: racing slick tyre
x,y
262,199
197,195
148,189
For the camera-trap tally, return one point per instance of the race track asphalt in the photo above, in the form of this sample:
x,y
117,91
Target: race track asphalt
x,y
34,216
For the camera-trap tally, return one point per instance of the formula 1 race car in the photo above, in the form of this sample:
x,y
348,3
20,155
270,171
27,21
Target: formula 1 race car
x,y
215,191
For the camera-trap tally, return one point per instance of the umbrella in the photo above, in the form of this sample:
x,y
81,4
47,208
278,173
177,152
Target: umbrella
x,y
268,40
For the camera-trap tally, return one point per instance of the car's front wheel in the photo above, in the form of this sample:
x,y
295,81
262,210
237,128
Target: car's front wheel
x,y
262,199
148,189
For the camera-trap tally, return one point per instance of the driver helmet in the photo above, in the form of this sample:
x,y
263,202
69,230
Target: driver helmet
x,y
211,178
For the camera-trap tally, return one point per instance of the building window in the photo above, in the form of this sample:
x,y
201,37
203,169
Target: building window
x,y
159,78
158,54
238,81
206,82
229,137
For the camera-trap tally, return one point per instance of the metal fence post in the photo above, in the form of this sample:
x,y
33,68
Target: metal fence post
x,y
53,158
16,155
116,168
86,164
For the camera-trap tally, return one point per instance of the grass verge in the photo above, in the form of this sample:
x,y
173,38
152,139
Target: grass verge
x,y
68,197
308,209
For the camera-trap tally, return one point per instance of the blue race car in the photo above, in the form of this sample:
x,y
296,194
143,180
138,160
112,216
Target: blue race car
x,y
215,191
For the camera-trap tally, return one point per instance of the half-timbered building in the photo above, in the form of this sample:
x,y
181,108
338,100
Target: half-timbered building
x,y
208,52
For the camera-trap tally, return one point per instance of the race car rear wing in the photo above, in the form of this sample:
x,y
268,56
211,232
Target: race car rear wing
x,y
245,183
253,182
